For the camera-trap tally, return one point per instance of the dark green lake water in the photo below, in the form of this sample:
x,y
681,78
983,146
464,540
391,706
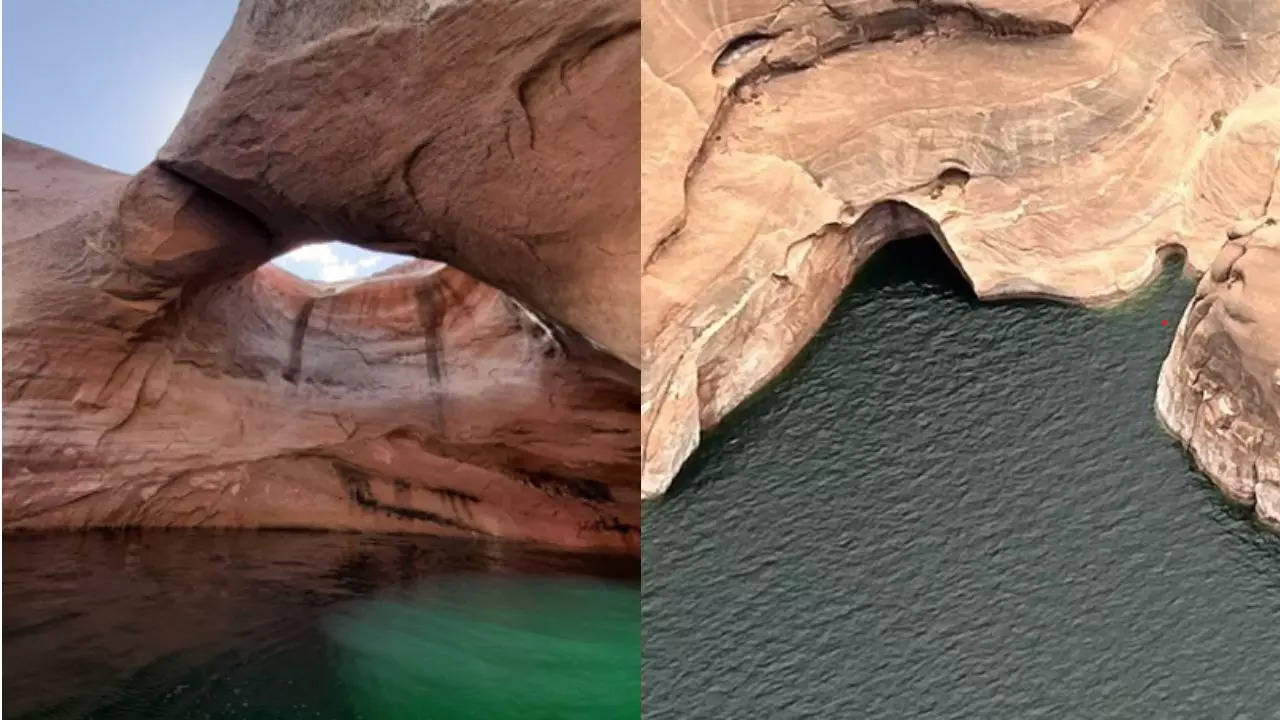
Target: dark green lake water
x,y
307,625
949,509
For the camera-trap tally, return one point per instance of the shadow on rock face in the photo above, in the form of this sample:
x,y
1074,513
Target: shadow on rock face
x,y
915,262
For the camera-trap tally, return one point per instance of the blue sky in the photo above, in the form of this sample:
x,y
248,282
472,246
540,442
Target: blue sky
x,y
106,81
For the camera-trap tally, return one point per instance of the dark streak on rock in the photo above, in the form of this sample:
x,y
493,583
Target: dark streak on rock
x,y
432,303
561,486
609,525
406,172
300,323
361,493
522,97
453,495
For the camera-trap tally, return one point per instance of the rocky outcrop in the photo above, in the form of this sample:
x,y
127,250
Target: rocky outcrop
x,y
1219,390
153,377
1053,149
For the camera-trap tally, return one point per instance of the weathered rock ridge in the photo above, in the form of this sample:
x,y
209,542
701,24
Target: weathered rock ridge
x,y
1219,388
152,377
1054,149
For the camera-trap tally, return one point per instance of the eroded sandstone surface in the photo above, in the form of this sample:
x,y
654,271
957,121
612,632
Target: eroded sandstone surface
x,y
152,377
1054,149
1219,388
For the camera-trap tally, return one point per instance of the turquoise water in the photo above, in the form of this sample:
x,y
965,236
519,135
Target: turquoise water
x,y
954,509
308,625
481,647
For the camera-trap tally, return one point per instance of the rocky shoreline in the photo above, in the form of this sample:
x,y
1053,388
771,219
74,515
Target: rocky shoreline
x,y
790,143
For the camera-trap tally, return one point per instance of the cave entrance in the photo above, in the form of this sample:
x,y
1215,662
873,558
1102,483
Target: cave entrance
x,y
335,261
912,263
899,246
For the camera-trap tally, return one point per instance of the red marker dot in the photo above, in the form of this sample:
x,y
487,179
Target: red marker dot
x,y
1164,323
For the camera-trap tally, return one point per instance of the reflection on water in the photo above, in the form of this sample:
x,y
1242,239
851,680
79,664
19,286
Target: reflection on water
x,y
284,625
953,509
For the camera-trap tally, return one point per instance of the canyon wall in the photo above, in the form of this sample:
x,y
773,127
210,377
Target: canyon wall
x,y
1053,149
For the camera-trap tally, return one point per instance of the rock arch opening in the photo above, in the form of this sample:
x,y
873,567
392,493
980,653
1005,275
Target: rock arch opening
x,y
417,399
916,261
336,261
447,398
918,239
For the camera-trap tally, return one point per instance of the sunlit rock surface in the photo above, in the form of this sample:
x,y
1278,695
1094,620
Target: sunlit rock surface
x,y
154,377
1219,387
1055,149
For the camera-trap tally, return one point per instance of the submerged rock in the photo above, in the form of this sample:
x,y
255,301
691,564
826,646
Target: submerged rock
x,y
1053,149
1219,388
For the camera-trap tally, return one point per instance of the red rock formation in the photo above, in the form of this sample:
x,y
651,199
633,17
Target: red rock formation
x,y
153,376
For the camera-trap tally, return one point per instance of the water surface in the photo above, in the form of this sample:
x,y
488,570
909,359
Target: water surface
x,y
310,625
953,509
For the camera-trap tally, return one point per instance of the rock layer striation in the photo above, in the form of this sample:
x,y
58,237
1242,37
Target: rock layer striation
x,y
1053,149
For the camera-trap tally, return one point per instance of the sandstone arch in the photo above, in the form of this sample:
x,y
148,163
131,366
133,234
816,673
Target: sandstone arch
x,y
157,373
764,328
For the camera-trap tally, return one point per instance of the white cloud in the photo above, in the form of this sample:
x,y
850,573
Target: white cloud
x,y
334,261
320,254
338,272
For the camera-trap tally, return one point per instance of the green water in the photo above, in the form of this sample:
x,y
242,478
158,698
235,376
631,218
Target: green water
x,y
953,509
486,648
302,625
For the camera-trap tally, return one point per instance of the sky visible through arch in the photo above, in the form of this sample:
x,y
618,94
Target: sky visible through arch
x,y
335,261
107,81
